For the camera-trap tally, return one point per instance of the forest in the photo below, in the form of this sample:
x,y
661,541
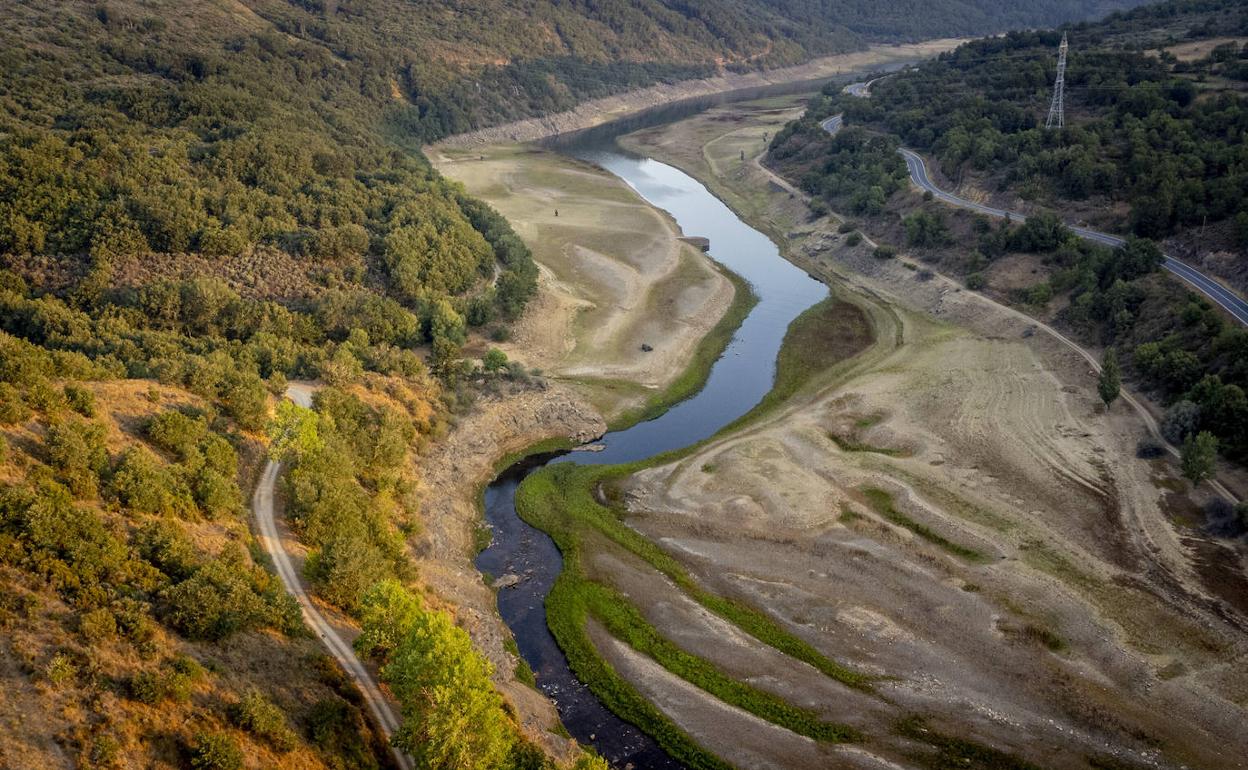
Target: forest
x,y
1161,136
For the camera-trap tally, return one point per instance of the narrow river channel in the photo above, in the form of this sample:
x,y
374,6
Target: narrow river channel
x,y
738,380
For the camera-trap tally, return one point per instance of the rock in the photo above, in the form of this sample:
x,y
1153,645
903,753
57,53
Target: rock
x,y
646,348
696,240
509,580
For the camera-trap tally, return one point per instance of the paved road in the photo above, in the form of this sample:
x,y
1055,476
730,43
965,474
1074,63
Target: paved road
x,y
1225,298
270,538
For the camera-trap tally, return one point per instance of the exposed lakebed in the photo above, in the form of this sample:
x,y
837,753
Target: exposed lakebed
x,y
737,381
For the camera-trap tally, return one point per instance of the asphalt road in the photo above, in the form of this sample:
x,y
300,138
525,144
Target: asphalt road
x,y
270,538
1217,293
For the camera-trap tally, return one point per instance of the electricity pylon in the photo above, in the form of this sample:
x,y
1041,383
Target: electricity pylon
x,y
1057,110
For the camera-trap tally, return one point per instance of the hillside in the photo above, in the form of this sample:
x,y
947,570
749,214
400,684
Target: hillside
x,y
1157,113
201,200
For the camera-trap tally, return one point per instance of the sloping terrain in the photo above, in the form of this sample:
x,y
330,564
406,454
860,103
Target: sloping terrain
x,y
955,513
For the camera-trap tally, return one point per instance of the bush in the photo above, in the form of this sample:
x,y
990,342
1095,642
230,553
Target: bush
x,y
76,451
884,252
216,495
142,483
848,226
105,751
177,433
217,601
975,281
60,669
854,239
80,400
148,687
255,714
164,544
97,625
13,408
1181,420
215,751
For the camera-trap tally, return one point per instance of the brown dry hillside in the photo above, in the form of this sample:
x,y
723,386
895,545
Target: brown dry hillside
x,y
135,616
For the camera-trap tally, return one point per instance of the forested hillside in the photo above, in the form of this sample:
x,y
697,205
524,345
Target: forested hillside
x,y
1157,118
200,200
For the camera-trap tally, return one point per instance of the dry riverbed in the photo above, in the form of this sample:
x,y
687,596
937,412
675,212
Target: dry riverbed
x,y
956,513
615,274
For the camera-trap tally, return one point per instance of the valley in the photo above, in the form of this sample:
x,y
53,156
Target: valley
x,y
576,386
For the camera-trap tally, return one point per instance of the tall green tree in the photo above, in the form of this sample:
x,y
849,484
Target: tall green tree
x,y
1109,386
1199,454
453,718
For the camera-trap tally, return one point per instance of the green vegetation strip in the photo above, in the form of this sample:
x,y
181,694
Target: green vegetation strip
x,y
882,503
825,335
708,351
561,501
958,753
853,445
625,622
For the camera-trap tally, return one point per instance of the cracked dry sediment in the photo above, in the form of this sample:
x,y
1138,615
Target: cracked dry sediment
x,y
454,472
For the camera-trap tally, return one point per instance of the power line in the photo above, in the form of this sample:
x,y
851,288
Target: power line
x,y
1057,110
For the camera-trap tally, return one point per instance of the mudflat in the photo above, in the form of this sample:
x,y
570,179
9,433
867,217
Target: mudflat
x,y
616,278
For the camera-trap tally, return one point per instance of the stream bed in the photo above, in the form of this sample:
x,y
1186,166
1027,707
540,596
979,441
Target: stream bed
x,y
737,381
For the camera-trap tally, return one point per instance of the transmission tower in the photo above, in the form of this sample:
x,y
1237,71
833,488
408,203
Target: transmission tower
x,y
1057,110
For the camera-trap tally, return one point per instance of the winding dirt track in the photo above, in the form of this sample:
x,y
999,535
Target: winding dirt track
x,y
266,525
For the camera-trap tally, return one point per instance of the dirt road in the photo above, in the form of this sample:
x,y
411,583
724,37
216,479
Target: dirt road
x,y
267,531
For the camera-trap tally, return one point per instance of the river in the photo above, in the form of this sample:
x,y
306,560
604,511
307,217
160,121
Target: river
x,y
737,381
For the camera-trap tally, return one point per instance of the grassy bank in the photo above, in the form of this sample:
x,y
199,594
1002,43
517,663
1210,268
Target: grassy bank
x,y
563,500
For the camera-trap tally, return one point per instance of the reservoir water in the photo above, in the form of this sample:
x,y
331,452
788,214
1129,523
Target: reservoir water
x,y
738,380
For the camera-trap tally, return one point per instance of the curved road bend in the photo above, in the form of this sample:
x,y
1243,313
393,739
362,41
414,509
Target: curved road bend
x,y
270,538
1219,294
834,123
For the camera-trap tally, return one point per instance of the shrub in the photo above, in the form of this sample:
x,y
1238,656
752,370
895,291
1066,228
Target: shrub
x,y
142,483
177,433
105,751
216,494
854,239
255,714
885,252
848,226
13,408
334,725
97,625
76,451
1181,420
976,281
164,544
148,687
60,669
80,400
215,751
225,596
